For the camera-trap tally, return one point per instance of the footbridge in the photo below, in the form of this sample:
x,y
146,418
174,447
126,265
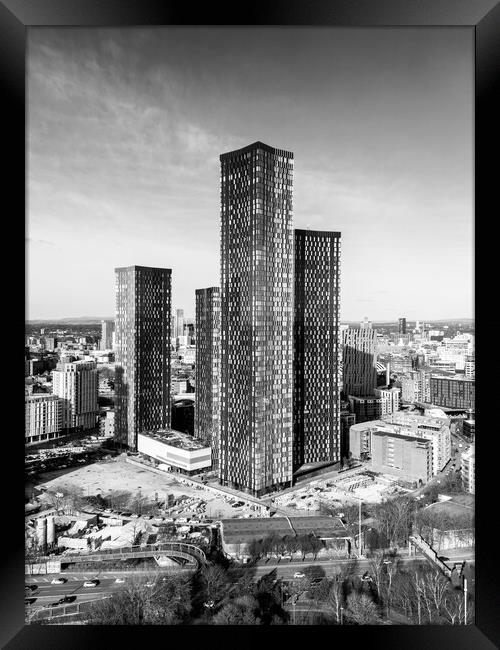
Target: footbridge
x,y
417,541
192,554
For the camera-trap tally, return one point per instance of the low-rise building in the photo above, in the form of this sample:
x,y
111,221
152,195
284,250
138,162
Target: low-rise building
x,y
175,451
43,417
366,408
435,430
390,399
107,422
469,429
453,392
238,534
468,470
402,455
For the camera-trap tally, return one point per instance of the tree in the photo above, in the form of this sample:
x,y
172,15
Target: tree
x,y
361,610
241,611
255,549
215,583
166,603
335,598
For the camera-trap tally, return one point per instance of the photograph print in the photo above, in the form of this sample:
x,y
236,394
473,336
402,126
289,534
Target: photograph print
x,y
250,338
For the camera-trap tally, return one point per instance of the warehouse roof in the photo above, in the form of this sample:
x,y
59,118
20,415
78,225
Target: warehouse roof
x,y
236,531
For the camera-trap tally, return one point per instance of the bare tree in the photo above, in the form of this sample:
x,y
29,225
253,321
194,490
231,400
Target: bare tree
x,y
361,610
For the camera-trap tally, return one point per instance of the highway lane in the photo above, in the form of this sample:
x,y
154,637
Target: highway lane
x,y
48,593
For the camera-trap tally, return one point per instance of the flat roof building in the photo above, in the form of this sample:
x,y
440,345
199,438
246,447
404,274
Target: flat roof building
x,y
401,455
256,319
436,430
142,339
359,357
43,417
468,470
207,369
173,450
316,350
77,384
453,392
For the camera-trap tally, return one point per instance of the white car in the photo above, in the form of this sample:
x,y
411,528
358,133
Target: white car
x,y
386,561
297,574
58,581
150,584
120,581
91,583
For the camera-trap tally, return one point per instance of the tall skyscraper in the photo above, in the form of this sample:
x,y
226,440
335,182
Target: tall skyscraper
x,y
359,356
207,369
77,386
256,318
142,374
316,394
107,329
402,326
179,322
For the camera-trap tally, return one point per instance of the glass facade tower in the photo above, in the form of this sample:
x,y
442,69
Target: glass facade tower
x,y
207,369
256,318
142,361
316,396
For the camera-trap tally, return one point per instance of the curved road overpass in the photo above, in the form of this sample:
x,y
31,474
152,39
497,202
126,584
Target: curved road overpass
x,y
189,552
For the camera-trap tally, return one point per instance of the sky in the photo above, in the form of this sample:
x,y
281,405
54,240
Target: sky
x,y
125,127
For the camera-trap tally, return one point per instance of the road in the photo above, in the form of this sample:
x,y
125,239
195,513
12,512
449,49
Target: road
x,y
48,593
286,569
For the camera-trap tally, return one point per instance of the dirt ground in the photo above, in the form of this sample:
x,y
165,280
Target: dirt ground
x,y
116,474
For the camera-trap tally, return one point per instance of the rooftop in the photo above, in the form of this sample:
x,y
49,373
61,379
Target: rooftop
x,y
175,439
245,530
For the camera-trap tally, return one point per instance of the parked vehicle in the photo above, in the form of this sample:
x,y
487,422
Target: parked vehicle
x,y
298,574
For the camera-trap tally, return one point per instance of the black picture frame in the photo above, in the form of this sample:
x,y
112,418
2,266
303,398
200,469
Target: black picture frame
x,y
481,16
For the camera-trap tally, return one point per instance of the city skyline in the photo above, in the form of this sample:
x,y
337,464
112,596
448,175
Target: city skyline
x,y
111,106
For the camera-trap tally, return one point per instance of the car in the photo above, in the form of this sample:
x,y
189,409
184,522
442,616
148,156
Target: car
x,y
29,601
67,599
91,583
298,574
387,561
150,584
120,581
56,604
58,581
443,558
30,587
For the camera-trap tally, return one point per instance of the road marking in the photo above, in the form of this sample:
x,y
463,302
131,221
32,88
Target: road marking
x,y
45,579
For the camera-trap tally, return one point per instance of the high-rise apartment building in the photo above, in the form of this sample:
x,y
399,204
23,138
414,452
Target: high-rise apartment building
x,y
107,329
402,326
179,322
142,362
256,318
359,356
43,417
207,369
77,386
316,393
